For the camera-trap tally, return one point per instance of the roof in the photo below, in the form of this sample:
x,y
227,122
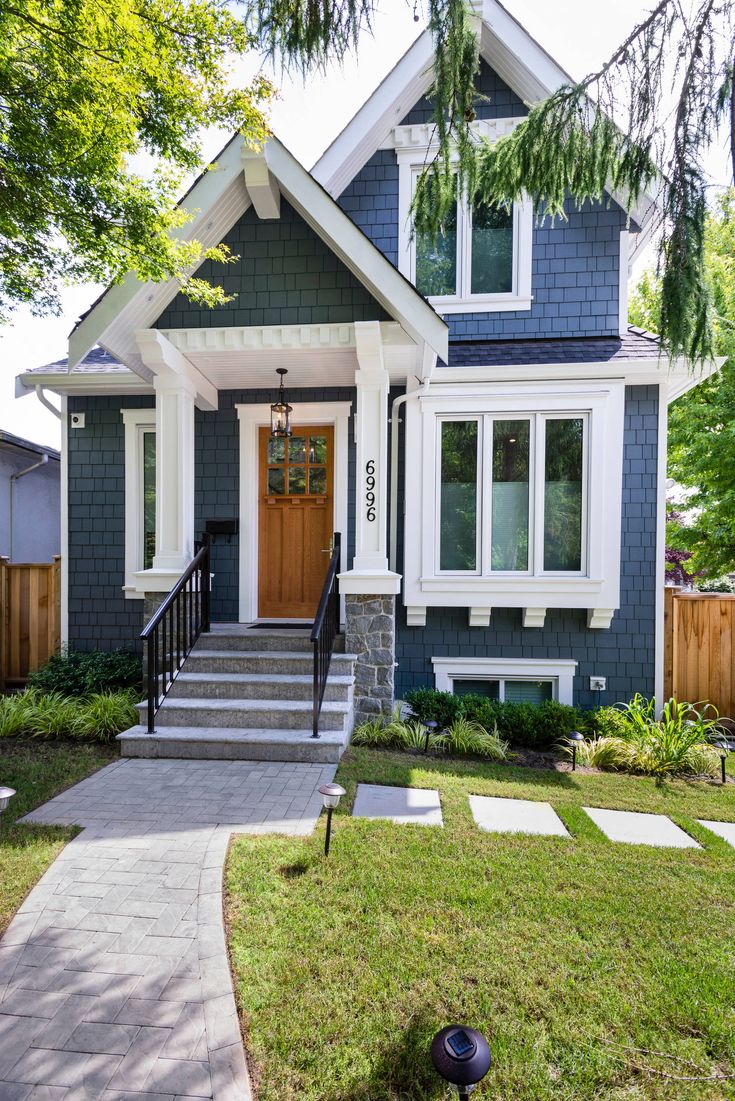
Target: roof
x,y
635,344
7,439
97,361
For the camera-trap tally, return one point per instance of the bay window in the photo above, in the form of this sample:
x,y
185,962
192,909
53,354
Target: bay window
x,y
512,494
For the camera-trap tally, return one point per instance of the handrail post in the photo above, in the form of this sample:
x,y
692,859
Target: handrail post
x,y
327,614
206,585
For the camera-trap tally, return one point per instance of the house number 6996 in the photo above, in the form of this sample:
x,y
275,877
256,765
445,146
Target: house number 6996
x,y
370,489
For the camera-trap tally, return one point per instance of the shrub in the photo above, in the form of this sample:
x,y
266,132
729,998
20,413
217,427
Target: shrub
x,y
80,672
34,714
606,752
103,715
428,705
609,722
471,739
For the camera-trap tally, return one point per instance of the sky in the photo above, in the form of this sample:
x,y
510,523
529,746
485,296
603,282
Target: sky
x,y
307,117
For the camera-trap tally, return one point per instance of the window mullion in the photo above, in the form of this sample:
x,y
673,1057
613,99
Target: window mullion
x,y
486,490
539,435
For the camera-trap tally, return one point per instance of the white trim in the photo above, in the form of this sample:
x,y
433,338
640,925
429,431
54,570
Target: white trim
x,y
251,418
560,673
136,421
660,572
598,587
64,506
623,277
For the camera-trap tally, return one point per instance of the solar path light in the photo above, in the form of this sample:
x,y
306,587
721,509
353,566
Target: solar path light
x,y
576,739
723,745
461,1056
6,794
431,728
331,795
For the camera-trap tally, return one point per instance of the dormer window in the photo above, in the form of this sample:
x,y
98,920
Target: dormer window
x,y
473,256
482,261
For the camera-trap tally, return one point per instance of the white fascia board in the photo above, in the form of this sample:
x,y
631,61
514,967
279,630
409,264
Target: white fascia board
x,y
517,58
87,384
147,298
683,377
636,372
357,252
390,102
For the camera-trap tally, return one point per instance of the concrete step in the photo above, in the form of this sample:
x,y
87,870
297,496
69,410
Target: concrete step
x,y
283,662
251,714
234,636
234,744
257,686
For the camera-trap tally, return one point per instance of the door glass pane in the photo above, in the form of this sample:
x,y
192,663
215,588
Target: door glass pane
x,y
149,498
276,450
488,688
492,250
563,495
458,523
528,691
297,449
276,480
317,449
297,479
511,450
317,479
436,261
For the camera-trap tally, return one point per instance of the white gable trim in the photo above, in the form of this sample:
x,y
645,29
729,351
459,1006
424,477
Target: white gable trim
x,y
220,197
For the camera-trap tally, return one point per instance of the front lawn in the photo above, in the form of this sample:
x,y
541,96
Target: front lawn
x,y
38,771
579,959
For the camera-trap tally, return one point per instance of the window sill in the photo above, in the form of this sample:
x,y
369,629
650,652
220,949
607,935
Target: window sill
x,y
506,592
496,303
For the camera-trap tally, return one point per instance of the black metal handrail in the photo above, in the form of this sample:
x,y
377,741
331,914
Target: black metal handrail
x,y
173,629
325,630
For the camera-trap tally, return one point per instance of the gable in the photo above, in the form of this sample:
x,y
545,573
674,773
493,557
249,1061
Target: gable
x,y
495,101
285,275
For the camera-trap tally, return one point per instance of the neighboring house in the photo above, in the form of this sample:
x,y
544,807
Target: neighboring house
x,y
30,524
476,418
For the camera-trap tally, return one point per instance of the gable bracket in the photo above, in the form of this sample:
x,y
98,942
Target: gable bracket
x,y
262,185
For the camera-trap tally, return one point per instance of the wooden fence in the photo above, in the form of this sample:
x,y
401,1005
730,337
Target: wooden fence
x,y
30,617
699,648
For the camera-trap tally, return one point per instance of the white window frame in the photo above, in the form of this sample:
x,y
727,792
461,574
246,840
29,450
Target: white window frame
x,y
410,163
536,494
137,423
559,672
595,588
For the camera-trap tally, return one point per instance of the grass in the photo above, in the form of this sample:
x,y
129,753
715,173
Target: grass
x,y
37,771
571,956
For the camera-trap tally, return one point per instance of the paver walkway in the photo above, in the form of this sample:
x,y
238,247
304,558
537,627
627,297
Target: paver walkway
x,y
114,978
640,828
501,815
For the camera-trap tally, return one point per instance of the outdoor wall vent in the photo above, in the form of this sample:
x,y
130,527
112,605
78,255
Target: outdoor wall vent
x,y
76,420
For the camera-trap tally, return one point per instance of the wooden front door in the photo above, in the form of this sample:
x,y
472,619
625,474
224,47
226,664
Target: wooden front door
x,y
295,521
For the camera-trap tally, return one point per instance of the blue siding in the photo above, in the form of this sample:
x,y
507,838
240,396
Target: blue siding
x,y
371,200
99,615
217,484
625,653
498,102
575,262
285,275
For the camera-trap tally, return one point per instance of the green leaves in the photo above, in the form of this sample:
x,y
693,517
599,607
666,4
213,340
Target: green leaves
x,y
91,92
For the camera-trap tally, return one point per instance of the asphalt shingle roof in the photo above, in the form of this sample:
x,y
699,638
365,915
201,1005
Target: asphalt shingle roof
x,y
636,344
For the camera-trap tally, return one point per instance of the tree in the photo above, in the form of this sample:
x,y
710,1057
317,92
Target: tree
x,y
85,87
701,444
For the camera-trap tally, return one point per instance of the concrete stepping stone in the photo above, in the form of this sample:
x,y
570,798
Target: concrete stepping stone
x,y
498,815
636,828
725,830
419,806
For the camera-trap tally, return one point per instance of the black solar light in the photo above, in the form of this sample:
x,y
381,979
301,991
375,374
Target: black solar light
x,y
6,794
431,728
331,795
576,739
724,747
461,1056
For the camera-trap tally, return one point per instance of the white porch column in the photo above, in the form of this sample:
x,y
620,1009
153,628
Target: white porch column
x,y
370,573
175,398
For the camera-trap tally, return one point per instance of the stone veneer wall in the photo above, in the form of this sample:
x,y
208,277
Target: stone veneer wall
x,y
370,634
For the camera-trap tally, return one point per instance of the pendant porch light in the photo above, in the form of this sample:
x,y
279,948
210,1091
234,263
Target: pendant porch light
x,y
281,411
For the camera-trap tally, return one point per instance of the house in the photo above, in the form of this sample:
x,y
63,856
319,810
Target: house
x,y
475,418
30,523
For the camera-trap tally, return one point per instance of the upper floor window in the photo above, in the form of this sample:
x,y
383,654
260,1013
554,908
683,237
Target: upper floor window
x,y
472,256
512,494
